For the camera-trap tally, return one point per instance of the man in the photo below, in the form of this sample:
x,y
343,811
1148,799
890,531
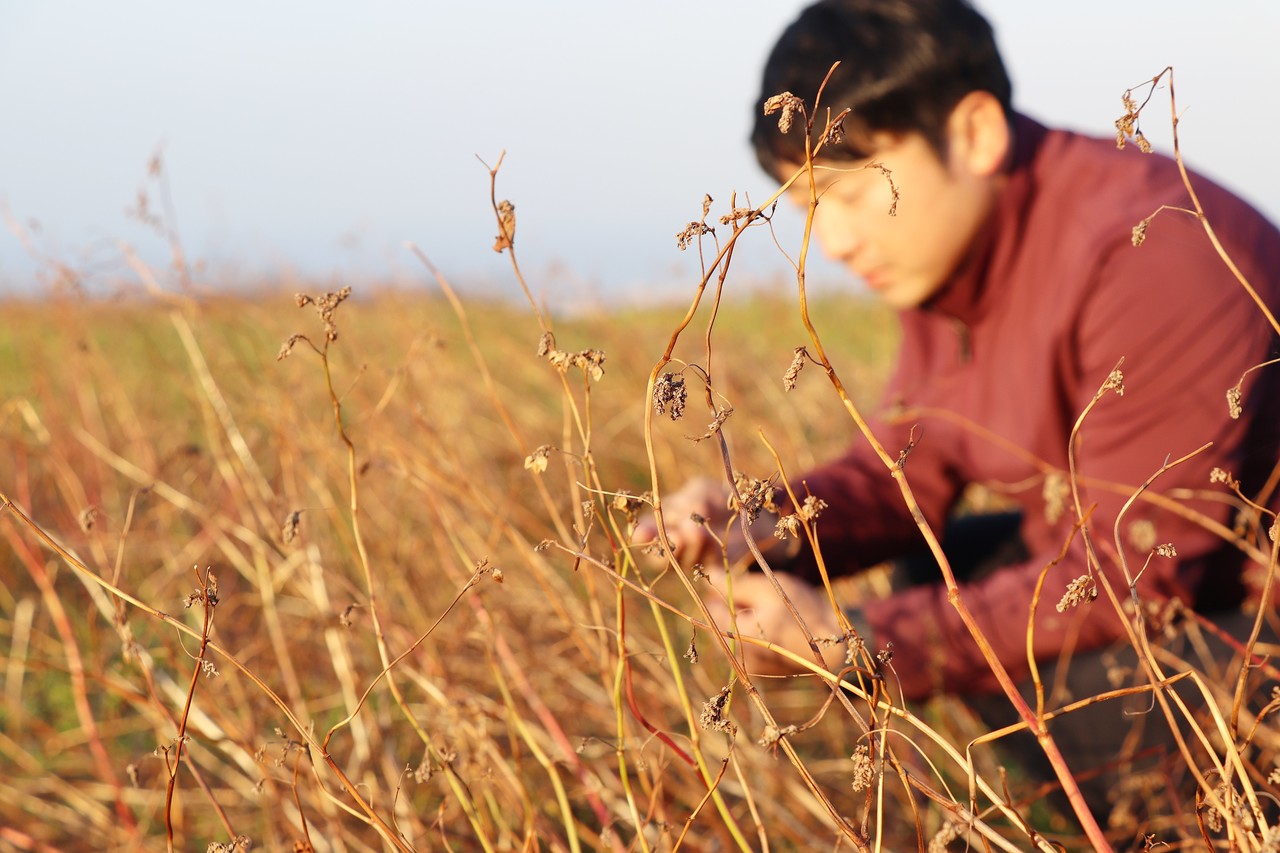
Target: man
x,y
1012,262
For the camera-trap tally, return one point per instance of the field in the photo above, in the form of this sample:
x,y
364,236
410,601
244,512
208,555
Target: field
x,y
166,448
344,570
203,491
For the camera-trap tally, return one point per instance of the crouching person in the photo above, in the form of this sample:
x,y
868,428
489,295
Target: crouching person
x,y
1013,262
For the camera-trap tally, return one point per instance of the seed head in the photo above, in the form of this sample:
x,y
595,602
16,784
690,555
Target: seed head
x,y
87,518
737,213
591,361
812,508
691,232
1127,124
788,525
1234,397
788,104
835,132
289,530
670,395
1217,475
893,188
1115,382
864,770
1140,232
1079,591
755,494
712,717
326,305
629,503
793,371
506,226
538,459
691,653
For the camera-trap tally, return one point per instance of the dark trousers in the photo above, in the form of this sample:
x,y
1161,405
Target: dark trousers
x,y
1121,751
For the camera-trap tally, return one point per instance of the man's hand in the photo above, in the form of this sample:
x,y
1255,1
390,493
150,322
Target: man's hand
x,y
695,541
762,613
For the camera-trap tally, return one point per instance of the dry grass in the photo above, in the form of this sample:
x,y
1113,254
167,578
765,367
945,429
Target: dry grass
x,y
378,594
144,456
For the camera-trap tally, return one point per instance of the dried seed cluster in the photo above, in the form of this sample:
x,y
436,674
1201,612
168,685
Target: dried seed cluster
x,y
835,131
506,226
736,214
1140,231
670,395
793,371
631,504
691,653
1080,591
591,361
756,495
289,530
1218,475
789,524
712,717
893,188
207,594
326,305
786,103
87,518
691,232
1234,398
1115,382
864,770
1127,125
538,459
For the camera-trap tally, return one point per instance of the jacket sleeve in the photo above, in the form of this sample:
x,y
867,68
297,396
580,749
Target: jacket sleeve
x,y
1187,332
867,521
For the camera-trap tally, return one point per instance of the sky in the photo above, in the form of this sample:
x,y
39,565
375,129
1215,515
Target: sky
x,y
310,140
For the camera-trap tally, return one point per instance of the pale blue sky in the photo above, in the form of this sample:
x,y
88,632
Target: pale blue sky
x,y
318,136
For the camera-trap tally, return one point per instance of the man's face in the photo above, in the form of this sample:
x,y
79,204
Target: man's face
x,y
904,258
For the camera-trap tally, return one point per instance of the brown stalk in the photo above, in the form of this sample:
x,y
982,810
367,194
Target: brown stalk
x,y
208,599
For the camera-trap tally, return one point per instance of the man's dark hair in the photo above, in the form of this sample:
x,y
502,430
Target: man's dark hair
x,y
904,65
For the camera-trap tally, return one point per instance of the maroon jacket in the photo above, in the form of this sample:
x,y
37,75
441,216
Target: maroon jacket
x,y
995,370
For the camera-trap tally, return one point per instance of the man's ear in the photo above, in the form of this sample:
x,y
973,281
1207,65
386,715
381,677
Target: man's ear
x,y
979,140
